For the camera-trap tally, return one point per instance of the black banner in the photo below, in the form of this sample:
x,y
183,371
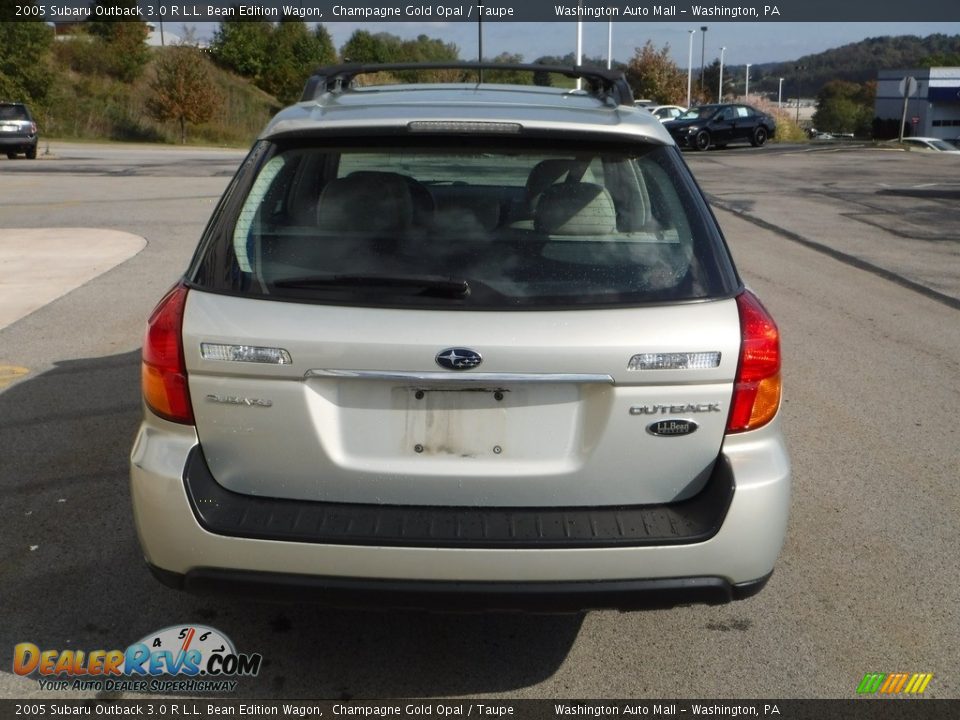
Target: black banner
x,y
860,709
646,11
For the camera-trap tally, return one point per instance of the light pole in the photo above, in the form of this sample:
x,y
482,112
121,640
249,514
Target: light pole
x,y
720,89
797,69
703,51
689,65
780,94
579,47
609,44
746,88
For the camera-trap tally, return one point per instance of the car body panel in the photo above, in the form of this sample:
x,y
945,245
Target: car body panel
x,y
334,436
549,110
744,549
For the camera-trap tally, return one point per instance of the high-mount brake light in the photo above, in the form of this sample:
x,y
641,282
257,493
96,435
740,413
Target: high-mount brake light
x,y
464,126
756,390
163,371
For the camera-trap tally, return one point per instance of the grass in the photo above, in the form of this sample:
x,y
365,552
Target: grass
x,y
86,105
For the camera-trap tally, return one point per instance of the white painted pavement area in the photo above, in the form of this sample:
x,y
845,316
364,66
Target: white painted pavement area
x,y
37,266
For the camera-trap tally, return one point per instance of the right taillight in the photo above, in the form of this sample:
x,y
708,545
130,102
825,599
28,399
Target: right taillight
x,y
164,372
756,390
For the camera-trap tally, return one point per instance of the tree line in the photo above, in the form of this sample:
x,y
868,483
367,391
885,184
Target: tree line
x,y
278,58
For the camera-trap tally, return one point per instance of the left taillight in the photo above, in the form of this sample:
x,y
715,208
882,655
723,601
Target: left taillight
x,y
163,371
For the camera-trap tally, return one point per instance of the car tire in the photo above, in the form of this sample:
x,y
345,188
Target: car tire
x,y
702,140
12,155
759,136
32,153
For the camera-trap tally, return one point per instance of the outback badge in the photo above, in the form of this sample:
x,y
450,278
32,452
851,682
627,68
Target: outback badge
x,y
672,428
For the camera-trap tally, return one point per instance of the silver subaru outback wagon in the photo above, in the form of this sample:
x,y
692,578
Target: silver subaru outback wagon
x,y
466,346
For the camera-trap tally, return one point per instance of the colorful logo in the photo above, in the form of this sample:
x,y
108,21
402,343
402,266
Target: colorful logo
x,y
894,683
193,651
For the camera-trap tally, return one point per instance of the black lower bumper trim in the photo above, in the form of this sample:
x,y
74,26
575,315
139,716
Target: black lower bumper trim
x,y
543,597
223,512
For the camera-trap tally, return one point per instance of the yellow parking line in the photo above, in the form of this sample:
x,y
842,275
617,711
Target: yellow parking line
x,y
9,373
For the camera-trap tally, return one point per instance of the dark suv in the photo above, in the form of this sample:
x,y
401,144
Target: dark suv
x,y
18,131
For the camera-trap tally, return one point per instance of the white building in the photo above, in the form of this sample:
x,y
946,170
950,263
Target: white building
x,y
933,111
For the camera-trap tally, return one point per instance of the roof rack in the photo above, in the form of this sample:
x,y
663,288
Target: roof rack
x,y
602,84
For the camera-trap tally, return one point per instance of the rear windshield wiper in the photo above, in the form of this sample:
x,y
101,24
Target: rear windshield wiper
x,y
426,284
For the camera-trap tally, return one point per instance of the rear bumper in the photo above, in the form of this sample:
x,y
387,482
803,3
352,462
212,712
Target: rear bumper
x,y
547,597
222,512
729,562
17,143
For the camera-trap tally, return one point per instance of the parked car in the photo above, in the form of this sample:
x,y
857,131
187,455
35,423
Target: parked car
x,y
927,144
18,131
719,125
468,346
667,112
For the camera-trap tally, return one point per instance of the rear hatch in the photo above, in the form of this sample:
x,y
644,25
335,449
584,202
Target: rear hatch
x,y
15,122
552,416
503,325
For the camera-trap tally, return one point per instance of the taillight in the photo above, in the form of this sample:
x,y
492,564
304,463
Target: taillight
x,y
33,128
163,371
756,390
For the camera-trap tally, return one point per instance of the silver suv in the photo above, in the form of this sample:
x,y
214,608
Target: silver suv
x,y
464,345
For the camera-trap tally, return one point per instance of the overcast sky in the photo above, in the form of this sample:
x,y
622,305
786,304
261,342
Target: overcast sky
x,y
748,42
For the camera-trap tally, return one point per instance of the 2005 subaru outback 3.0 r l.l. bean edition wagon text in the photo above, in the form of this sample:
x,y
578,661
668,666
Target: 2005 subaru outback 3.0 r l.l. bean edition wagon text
x,y
466,345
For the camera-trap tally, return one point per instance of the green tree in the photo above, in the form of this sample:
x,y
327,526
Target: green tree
x,y
941,59
182,89
326,51
365,47
652,74
25,70
121,43
509,77
241,46
292,53
845,107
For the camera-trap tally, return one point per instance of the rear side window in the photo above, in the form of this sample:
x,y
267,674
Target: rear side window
x,y
479,225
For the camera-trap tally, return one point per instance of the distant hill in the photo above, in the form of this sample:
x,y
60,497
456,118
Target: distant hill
x,y
857,62
93,106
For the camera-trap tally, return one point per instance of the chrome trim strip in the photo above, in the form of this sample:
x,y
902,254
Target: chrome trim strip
x,y
464,378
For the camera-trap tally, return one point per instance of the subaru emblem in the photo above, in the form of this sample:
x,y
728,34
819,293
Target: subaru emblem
x,y
458,359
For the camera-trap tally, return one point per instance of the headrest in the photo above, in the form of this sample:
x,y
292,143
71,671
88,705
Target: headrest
x,y
575,209
545,173
366,202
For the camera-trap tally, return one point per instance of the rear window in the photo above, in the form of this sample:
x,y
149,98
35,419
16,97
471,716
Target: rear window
x,y
478,225
13,112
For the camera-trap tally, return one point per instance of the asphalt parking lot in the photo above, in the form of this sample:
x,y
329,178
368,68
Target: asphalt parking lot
x,y
855,251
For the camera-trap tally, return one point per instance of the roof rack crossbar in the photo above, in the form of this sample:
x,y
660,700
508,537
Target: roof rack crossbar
x,y
600,83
